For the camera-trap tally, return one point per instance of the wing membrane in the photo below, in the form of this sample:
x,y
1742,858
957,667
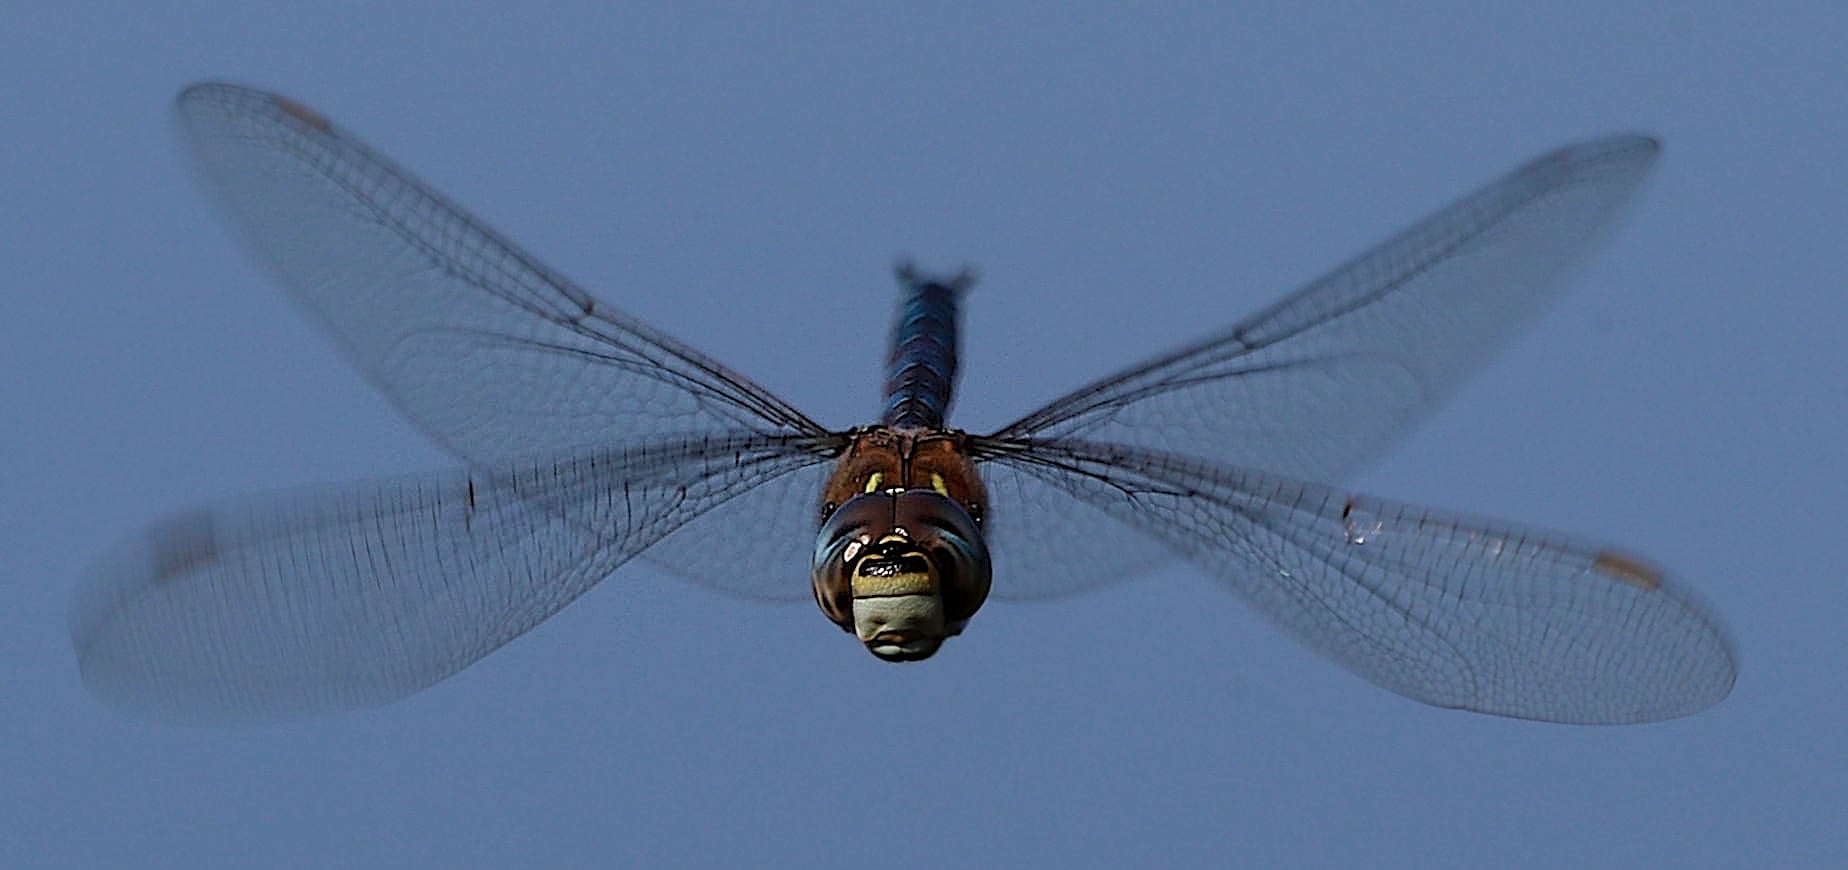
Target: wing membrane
x,y
360,594
486,349
1446,610
1325,380
1046,544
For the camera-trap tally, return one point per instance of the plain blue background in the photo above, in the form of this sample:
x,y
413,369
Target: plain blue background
x,y
1125,180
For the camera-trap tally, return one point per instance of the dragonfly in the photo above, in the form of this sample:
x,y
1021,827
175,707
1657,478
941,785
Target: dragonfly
x,y
589,439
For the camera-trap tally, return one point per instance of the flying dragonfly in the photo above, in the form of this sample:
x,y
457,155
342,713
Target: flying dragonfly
x,y
590,439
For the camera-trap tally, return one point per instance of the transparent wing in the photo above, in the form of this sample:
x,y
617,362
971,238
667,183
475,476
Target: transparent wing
x,y
1045,544
758,545
487,350
1446,610
356,595
1325,380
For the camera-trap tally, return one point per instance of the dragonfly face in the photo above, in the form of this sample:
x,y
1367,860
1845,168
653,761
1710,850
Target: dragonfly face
x,y
900,559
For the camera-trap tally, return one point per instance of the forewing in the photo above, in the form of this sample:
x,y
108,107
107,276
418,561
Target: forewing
x,y
356,595
1450,611
489,351
1324,381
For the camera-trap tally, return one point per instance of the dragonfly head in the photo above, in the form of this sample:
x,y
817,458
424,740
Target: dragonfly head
x,y
902,570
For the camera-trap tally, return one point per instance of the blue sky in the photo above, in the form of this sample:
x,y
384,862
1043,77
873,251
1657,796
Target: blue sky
x,y
1125,181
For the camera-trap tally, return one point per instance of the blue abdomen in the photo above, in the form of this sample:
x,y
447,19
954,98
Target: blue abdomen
x,y
921,373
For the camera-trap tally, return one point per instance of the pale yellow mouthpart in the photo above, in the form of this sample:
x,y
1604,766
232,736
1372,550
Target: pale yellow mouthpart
x,y
902,583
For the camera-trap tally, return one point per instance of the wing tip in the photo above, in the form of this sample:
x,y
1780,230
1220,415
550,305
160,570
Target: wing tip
x,y
1635,151
220,96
